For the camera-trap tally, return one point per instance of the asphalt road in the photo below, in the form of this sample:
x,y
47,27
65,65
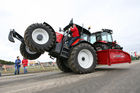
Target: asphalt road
x,y
122,78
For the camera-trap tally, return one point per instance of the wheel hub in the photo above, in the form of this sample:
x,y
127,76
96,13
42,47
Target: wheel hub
x,y
85,58
39,37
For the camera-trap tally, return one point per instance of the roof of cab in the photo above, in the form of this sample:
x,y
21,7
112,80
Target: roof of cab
x,y
103,30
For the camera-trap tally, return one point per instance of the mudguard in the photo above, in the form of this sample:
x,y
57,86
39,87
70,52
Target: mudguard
x,y
78,41
59,37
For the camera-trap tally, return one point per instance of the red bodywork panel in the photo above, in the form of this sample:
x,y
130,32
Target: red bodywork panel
x,y
59,37
76,41
113,56
102,41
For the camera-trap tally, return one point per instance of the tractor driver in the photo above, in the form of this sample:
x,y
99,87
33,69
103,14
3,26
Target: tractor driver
x,y
75,34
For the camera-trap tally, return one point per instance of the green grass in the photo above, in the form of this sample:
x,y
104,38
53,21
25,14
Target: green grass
x,y
32,69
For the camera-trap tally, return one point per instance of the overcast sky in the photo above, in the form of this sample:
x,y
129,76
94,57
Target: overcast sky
x,y
122,16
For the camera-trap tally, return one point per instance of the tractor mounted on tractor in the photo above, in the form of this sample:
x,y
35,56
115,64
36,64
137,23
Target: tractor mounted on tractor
x,y
81,57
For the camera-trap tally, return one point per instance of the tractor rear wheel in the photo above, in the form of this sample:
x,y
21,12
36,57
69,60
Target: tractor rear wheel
x,y
62,65
82,59
27,53
39,37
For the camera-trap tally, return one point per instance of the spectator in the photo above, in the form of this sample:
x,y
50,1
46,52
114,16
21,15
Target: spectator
x,y
25,64
17,65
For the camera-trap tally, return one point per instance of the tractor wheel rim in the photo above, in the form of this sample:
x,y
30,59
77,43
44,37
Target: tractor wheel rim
x,y
29,51
85,58
40,36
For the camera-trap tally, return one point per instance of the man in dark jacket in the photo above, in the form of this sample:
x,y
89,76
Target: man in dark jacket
x,y
75,34
17,65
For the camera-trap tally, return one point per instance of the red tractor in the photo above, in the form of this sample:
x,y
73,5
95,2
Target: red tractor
x,y
103,40
81,57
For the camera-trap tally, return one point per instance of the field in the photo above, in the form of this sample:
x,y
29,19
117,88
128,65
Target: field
x,y
31,69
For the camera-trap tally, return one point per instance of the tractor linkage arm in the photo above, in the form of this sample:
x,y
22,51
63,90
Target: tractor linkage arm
x,y
13,34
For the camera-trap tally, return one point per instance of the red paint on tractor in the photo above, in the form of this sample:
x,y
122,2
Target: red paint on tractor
x,y
76,41
59,37
102,41
113,56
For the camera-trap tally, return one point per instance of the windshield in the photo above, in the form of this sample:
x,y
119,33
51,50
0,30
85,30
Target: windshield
x,y
106,37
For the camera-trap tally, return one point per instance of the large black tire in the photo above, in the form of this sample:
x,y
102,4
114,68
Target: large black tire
x,y
40,37
82,59
26,53
100,46
62,65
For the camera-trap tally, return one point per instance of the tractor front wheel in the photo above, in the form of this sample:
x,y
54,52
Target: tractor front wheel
x,y
82,59
27,53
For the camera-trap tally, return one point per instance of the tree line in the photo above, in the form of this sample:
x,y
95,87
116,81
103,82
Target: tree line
x,y
3,62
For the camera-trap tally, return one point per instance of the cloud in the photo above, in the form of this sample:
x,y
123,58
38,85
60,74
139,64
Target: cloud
x,y
122,16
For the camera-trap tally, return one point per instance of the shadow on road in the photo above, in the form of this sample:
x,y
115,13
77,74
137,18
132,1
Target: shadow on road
x,y
110,69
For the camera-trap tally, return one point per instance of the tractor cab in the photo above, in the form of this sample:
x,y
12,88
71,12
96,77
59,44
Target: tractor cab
x,y
105,36
102,36
103,40
84,33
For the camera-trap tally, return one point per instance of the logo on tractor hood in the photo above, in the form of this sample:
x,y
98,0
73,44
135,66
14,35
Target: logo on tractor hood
x,y
118,56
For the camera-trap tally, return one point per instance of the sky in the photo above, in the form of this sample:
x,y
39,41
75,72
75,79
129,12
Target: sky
x,y
122,16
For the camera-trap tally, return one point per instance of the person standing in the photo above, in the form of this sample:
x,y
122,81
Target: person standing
x,y
25,64
17,65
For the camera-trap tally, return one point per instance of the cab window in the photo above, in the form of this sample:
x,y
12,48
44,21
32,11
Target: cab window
x,y
110,38
85,37
92,39
98,37
104,36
